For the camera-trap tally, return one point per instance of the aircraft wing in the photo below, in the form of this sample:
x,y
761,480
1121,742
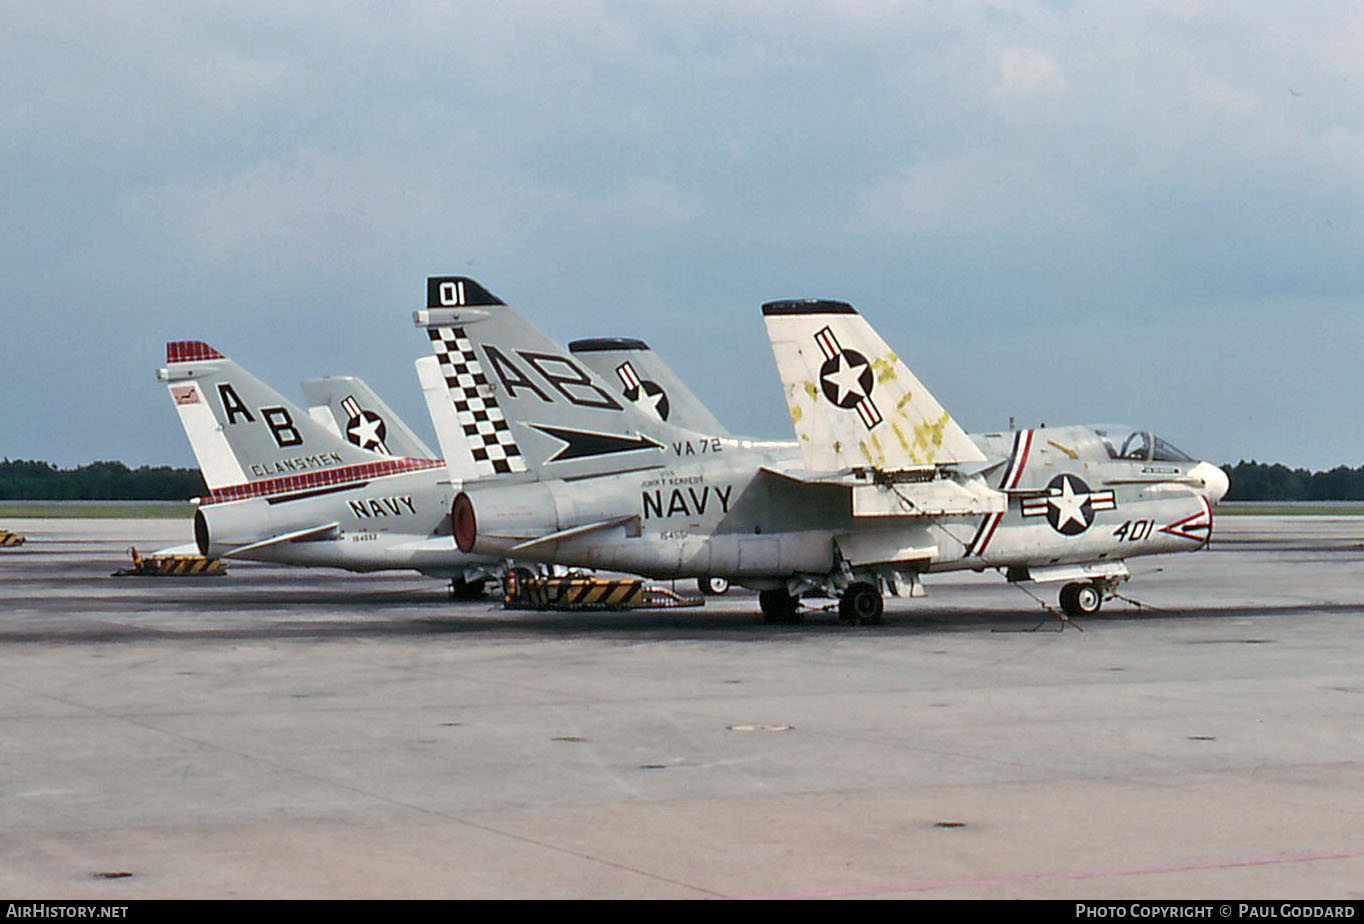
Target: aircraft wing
x,y
924,496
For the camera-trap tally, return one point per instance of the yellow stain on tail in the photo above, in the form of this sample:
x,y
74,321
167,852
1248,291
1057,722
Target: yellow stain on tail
x,y
928,436
880,451
885,367
900,435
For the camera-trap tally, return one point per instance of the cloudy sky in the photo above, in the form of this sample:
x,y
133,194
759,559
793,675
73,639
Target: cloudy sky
x,y
1147,212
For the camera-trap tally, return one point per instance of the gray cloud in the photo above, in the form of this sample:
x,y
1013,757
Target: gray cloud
x,y
1148,212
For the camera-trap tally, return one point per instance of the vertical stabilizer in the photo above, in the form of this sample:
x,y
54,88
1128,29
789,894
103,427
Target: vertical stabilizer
x,y
240,429
454,445
362,418
526,407
853,403
644,380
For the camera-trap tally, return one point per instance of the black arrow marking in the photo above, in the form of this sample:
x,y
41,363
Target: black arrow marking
x,y
585,444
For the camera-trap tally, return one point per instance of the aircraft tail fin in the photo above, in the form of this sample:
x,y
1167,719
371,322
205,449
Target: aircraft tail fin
x,y
454,444
524,406
361,417
242,430
646,381
853,402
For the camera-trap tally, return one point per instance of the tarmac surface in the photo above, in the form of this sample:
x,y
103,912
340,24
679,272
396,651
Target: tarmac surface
x,y
298,733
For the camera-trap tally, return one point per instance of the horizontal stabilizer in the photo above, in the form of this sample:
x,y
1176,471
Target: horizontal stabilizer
x,y
189,548
325,531
574,531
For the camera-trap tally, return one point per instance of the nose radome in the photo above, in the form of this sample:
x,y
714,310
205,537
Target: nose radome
x,y
1216,484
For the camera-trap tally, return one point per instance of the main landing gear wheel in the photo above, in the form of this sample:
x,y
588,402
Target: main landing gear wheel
x,y
778,606
466,590
1081,599
861,604
712,586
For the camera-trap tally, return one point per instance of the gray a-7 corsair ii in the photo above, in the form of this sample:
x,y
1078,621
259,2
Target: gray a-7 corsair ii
x,y
884,487
285,486
347,485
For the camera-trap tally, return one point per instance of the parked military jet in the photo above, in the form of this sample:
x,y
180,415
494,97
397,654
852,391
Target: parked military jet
x,y
287,487
884,488
645,381
239,427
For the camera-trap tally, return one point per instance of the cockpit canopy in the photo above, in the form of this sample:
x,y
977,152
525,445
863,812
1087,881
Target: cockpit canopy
x,y
1138,445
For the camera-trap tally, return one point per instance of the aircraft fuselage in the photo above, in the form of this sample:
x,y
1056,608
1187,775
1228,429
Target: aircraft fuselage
x,y
395,521
732,513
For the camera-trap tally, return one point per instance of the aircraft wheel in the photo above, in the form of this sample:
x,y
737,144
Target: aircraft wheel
x,y
712,586
861,604
1081,599
778,606
466,590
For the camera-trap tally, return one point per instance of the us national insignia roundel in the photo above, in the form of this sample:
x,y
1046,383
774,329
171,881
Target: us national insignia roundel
x,y
1069,505
846,378
365,428
646,393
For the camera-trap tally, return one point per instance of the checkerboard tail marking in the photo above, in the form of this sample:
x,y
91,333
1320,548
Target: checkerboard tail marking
x,y
491,443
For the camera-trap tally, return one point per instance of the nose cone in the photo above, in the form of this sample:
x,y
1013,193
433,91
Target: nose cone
x,y
1216,484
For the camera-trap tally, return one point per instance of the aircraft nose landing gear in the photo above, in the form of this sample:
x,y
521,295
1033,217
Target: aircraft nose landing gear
x,y
1081,599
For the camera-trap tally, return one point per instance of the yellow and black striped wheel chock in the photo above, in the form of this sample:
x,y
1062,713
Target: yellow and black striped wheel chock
x,y
525,591
172,566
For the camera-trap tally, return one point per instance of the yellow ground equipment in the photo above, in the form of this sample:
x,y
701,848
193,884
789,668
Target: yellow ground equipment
x,y
164,565
522,590
9,539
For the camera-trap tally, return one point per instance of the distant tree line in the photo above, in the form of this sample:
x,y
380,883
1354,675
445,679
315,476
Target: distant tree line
x,y
21,480
1253,481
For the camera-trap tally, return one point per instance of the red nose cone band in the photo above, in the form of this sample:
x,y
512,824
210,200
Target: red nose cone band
x,y
465,525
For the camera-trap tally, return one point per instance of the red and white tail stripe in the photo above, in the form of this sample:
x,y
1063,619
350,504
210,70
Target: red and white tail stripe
x,y
325,478
628,376
188,351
